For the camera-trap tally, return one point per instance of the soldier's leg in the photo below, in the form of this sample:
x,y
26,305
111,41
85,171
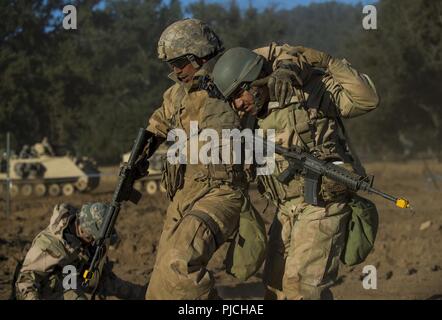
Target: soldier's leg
x,y
277,248
180,270
317,240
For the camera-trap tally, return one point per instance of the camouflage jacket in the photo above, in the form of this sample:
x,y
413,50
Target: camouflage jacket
x,y
183,103
312,118
53,249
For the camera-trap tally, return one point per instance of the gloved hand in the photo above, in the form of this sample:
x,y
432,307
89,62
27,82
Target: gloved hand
x,y
314,57
141,166
281,83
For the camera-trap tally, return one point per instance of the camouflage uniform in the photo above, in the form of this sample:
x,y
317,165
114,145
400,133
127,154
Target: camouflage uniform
x,y
57,246
305,241
206,200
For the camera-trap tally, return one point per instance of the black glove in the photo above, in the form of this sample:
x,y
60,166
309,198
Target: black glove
x,y
141,166
281,83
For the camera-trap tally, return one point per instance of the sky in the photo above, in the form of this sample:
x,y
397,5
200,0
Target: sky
x,y
280,4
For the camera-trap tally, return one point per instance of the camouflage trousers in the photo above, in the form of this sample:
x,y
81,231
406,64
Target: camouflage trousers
x,y
305,243
187,242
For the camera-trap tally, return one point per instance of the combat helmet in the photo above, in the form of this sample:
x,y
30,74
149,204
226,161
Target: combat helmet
x,y
91,217
188,37
234,68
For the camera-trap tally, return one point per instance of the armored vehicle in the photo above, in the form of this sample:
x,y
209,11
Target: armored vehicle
x,y
38,171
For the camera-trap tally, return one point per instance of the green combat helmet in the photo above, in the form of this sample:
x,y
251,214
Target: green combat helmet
x,y
188,37
234,68
91,216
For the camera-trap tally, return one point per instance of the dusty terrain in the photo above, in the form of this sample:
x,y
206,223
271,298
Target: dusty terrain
x,y
407,255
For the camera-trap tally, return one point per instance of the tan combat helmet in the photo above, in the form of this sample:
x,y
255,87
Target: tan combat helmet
x,y
188,37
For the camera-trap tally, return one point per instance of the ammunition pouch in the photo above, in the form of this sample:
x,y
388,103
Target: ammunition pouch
x,y
361,230
274,190
172,177
247,250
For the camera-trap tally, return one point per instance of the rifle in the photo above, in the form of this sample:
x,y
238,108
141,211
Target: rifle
x,y
313,169
123,192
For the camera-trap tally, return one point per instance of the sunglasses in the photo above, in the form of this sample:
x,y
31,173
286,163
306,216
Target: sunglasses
x,y
245,86
179,62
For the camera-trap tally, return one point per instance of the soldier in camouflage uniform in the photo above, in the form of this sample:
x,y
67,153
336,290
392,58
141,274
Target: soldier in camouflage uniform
x,y
313,92
68,241
206,200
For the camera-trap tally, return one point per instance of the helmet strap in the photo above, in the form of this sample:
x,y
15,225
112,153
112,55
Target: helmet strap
x,y
193,61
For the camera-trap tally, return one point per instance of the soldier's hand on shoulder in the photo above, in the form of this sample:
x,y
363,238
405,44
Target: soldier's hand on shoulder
x,y
314,57
281,83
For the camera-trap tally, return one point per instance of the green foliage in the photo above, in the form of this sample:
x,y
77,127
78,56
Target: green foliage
x,y
404,59
90,89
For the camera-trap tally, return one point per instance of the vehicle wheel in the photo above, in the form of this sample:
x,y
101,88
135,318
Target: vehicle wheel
x,y
26,190
151,187
81,184
68,189
40,190
54,190
138,186
14,190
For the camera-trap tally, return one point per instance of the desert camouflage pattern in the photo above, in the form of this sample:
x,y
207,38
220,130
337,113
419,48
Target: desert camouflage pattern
x,y
305,243
57,246
213,192
305,240
188,36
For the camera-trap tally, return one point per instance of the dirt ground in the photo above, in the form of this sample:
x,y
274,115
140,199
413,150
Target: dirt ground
x,y
407,254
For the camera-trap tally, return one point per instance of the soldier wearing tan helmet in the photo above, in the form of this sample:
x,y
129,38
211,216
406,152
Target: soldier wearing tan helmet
x,y
206,200
313,92
68,241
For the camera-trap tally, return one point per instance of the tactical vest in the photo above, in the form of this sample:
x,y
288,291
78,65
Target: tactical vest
x,y
175,175
306,123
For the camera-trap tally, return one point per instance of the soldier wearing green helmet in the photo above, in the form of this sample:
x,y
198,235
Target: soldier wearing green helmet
x,y
68,241
305,109
206,200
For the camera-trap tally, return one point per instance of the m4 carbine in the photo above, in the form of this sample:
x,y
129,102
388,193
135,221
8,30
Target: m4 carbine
x,y
313,169
124,191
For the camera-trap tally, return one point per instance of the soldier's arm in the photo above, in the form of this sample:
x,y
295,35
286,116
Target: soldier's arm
x,y
354,93
159,123
37,266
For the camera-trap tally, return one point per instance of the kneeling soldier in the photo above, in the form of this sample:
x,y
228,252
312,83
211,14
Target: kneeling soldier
x,y
68,240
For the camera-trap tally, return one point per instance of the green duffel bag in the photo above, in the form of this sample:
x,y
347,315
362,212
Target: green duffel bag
x,y
362,230
247,250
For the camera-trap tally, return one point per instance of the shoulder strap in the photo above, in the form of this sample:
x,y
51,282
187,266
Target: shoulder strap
x,y
357,165
211,224
177,103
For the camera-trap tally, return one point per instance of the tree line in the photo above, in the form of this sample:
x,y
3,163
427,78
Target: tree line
x,y
88,90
